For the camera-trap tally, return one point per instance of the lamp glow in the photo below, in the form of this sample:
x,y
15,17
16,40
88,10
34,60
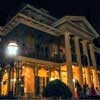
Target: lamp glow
x,y
51,79
74,81
12,49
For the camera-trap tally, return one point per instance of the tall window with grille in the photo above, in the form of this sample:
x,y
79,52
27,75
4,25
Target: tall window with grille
x,y
97,56
90,60
74,59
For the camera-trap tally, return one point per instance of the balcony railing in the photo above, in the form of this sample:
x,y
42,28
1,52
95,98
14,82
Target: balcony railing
x,y
56,58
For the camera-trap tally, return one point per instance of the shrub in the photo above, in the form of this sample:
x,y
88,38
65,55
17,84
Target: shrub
x,y
57,88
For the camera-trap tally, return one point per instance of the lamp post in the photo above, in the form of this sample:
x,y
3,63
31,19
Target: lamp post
x,y
11,51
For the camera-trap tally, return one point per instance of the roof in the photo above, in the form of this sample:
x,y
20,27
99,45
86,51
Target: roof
x,y
78,21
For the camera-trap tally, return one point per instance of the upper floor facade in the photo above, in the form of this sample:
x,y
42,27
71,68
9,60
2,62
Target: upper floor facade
x,y
44,37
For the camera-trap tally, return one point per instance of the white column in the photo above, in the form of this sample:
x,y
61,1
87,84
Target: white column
x,y
69,61
95,75
87,71
77,50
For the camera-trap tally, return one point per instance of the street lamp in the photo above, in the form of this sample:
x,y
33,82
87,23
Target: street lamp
x,y
11,51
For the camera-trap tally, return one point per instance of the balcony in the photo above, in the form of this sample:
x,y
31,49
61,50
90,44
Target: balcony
x,y
40,56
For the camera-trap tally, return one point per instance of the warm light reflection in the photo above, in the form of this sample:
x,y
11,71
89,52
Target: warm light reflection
x,y
74,81
51,79
14,80
94,77
29,78
54,75
76,73
64,74
4,86
42,72
28,74
84,74
64,68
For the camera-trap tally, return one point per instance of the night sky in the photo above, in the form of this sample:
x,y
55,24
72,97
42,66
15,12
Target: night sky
x,y
57,8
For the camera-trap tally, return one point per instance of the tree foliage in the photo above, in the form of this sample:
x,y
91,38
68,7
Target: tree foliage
x,y
57,88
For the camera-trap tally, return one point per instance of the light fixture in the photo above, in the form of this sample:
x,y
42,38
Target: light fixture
x,y
12,49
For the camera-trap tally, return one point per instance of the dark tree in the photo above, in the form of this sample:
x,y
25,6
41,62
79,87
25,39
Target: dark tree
x,y
57,89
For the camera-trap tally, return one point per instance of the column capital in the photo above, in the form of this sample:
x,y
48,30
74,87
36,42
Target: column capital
x,y
76,37
67,34
91,44
84,41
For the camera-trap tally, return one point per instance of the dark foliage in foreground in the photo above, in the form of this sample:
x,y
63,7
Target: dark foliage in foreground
x,y
57,88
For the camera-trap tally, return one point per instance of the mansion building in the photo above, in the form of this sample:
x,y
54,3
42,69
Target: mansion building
x,y
49,49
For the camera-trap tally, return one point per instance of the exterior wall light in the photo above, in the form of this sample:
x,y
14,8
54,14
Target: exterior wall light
x,y
12,49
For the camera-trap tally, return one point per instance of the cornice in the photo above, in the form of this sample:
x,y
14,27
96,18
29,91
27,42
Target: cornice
x,y
39,11
20,18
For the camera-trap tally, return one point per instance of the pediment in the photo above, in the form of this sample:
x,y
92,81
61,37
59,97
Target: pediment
x,y
78,22
82,25
82,22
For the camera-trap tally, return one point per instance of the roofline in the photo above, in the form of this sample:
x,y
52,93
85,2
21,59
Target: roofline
x,y
80,28
45,25
68,18
39,11
18,22
90,26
